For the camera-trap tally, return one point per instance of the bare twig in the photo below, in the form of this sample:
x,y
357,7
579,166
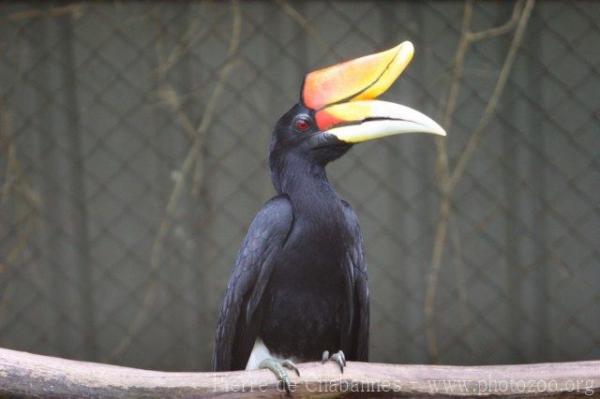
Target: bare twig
x,y
180,179
28,375
15,180
307,26
22,196
490,108
442,172
498,30
76,10
171,98
189,39
461,281
459,60
449,179
16,184
433,276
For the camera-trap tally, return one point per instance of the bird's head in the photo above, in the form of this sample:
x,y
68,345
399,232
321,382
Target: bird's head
x,y
338,108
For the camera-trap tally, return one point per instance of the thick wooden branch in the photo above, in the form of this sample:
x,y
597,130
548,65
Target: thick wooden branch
x,y
28,375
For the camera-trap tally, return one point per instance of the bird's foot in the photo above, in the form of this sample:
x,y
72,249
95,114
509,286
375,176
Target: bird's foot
x,y
337,357
278,368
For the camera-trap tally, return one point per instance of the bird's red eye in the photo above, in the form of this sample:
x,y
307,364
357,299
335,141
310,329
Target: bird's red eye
x,y
302,125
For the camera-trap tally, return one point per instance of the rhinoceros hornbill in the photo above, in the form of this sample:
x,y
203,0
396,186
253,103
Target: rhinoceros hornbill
x,y
298,290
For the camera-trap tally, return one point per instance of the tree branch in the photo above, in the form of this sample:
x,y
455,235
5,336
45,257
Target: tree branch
x,y
498,30
27,375
443,174
181,177
307,26
448,178
490,108
73,9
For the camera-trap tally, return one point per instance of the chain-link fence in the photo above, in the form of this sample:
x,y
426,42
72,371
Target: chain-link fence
x,y
133,144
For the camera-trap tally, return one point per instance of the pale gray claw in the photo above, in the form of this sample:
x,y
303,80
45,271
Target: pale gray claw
x,y
288,364
337,357
278,369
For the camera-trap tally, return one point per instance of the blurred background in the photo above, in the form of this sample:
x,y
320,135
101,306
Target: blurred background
x,y
133,146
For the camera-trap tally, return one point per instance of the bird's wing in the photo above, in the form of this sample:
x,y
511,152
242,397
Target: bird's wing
x,y
239,319
359,341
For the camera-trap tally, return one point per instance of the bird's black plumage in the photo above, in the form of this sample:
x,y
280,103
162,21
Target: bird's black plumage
x,y
299,285
299,281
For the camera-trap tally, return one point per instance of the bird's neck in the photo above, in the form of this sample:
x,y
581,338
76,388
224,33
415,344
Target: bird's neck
x,y
305,183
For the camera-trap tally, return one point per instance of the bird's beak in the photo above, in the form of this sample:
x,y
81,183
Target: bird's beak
x,y
342,97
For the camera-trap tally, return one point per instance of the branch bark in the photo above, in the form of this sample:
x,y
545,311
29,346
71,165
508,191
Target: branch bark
x,y
27,375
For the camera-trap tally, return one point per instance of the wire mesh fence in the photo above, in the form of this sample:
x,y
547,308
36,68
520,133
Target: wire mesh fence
x,y
133,144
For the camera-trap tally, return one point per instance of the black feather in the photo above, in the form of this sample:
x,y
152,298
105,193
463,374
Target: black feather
x,y
300,281
238,322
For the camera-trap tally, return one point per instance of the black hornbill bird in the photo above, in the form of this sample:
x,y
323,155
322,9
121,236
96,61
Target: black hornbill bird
x,y
299,290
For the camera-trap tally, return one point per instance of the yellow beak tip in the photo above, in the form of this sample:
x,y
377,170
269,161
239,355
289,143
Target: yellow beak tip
x,y
440,132
407,47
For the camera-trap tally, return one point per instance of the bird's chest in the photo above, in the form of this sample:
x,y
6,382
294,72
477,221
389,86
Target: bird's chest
x,y
307,295
310,274
315,254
